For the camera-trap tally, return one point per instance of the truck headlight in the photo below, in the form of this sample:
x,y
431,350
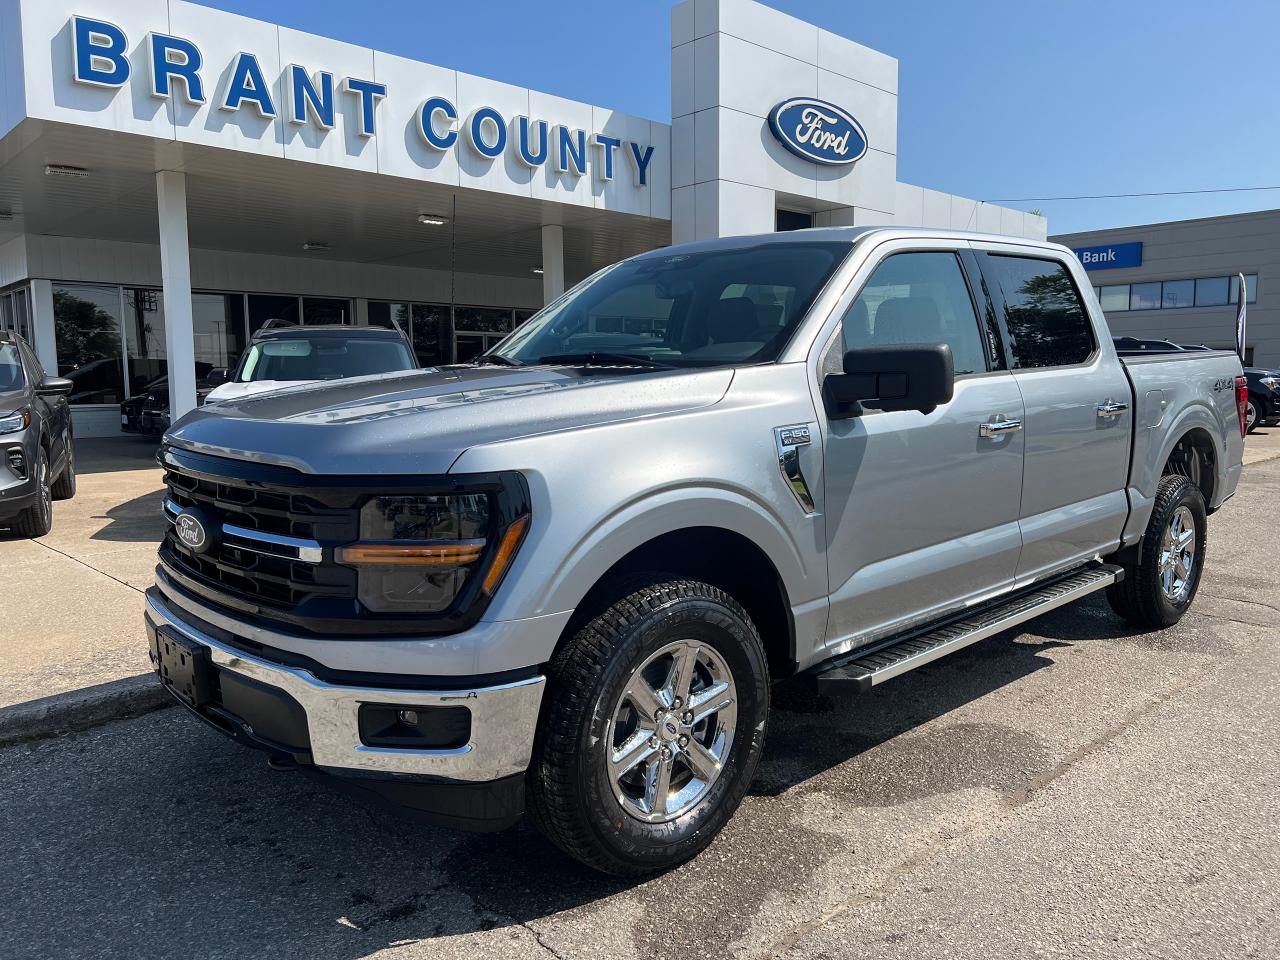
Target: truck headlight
x,y
18,420
417,553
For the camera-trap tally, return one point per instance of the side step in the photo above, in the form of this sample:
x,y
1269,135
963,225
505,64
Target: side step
x,y
859,672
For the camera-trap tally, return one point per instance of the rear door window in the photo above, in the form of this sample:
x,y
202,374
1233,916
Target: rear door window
x,y
1048,325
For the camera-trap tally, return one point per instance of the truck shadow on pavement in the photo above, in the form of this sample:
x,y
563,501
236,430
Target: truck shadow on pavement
x,y
140,520
152,834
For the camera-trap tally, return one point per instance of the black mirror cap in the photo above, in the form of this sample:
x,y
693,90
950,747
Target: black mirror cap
x,y
55,387
918,376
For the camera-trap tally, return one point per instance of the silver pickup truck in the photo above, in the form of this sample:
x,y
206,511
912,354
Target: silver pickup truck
x,y
565,576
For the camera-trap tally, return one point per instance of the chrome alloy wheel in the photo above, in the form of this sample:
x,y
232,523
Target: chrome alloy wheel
x,y
1178,555
671,731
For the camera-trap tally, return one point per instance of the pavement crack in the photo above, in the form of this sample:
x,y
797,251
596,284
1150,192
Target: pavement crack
x,y
1252,603
88,566
1013,800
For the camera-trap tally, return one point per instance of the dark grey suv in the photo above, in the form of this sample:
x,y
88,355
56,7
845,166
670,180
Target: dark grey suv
x,y
38,464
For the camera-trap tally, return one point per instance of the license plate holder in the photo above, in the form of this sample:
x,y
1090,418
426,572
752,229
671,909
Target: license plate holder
x,y
184,667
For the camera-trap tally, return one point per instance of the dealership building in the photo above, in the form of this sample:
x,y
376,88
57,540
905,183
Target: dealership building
x,y
173,176
1179,281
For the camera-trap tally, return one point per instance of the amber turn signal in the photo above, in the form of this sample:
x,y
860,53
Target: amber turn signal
x,y
505,554
451,553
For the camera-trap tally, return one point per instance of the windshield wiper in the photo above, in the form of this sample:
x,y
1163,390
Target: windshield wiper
x,y
497,360
596,358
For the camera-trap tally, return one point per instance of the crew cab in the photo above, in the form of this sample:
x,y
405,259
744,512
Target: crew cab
x,y
564,577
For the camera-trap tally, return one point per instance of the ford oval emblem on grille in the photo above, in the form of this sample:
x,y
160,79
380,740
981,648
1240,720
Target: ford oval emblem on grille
x,y
193,530
818,131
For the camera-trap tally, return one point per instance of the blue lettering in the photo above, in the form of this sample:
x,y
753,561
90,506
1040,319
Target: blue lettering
x,y
97,53
607,145
305,96
475,131
641,161
165,69
571,151
527,156
369,93
427,123
248,83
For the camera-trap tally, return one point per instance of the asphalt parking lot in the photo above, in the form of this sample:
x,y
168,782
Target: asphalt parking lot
x,y
1073,789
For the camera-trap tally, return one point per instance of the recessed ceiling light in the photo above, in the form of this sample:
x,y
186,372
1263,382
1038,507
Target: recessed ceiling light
x,y
432,219
315,245
538,270
64,170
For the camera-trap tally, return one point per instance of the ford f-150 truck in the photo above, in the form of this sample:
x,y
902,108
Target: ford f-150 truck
x,y
564,577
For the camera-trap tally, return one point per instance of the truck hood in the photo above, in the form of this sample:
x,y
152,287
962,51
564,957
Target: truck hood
x,y
421,421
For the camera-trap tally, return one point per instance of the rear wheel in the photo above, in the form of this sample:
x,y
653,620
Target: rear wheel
x,y
37,519
64,488
655,724
1158,589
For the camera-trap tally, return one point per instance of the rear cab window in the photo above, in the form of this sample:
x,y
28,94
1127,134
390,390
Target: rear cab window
x,y
1048,325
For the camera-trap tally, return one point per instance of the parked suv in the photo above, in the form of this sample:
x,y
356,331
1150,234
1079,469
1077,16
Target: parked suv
x,y
35,441
290,355
1264,397
565,577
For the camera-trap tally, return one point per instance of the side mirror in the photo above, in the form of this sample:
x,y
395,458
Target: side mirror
x,y
918,376
54,387
217,376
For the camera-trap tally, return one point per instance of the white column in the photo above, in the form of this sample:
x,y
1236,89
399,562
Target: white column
x,y
175,274
43,330
552,262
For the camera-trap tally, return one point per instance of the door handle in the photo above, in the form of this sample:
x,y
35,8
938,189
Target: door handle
x,y
998,425
1111,408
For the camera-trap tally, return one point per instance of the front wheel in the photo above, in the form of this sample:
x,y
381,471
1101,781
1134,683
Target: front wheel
x,y
1158,589
64,488
1251,415
37,519
654,727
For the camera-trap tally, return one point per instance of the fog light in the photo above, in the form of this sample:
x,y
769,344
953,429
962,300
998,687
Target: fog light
x,y
414,728
17,462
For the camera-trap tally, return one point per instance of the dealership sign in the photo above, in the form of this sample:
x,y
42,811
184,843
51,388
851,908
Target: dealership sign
x,y
1112,256
175,67
818,131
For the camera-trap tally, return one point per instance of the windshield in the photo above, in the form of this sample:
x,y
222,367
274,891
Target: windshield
x,y
686,309
10,367
323,358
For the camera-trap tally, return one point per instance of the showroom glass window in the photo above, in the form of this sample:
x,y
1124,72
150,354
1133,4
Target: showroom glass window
x,y
918,298
1047,322
87,328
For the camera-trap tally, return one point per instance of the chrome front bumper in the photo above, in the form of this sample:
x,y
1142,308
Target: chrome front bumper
x,y
503,717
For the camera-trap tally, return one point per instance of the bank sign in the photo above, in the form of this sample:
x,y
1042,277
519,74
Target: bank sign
x,y
1111,256
818,131
174,67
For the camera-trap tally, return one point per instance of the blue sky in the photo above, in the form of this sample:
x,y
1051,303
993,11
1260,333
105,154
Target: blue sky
x,y
998,99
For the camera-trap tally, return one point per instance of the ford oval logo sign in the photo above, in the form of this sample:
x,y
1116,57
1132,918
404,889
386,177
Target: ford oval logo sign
x,y
192,531
818,131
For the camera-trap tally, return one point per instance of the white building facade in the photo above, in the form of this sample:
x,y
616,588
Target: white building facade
x,y
173,176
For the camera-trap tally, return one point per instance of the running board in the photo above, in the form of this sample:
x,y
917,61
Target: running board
x,y
859,672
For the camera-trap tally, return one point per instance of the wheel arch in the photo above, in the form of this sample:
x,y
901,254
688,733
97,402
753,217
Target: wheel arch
x,y
1194,455
716,555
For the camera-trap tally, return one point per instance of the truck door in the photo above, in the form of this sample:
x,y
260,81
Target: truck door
x,y
922,509
1078,422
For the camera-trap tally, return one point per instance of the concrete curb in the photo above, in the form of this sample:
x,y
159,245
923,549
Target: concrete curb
x,y
81,709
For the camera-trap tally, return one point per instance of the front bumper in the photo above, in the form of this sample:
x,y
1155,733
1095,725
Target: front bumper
x,y
488,767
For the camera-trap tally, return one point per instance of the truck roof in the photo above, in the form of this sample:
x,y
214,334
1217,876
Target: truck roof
x,y
848,235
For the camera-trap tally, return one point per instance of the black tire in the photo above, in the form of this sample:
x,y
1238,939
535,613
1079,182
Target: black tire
x,y
1141,598
64,488
37,519
1252,414
571,791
